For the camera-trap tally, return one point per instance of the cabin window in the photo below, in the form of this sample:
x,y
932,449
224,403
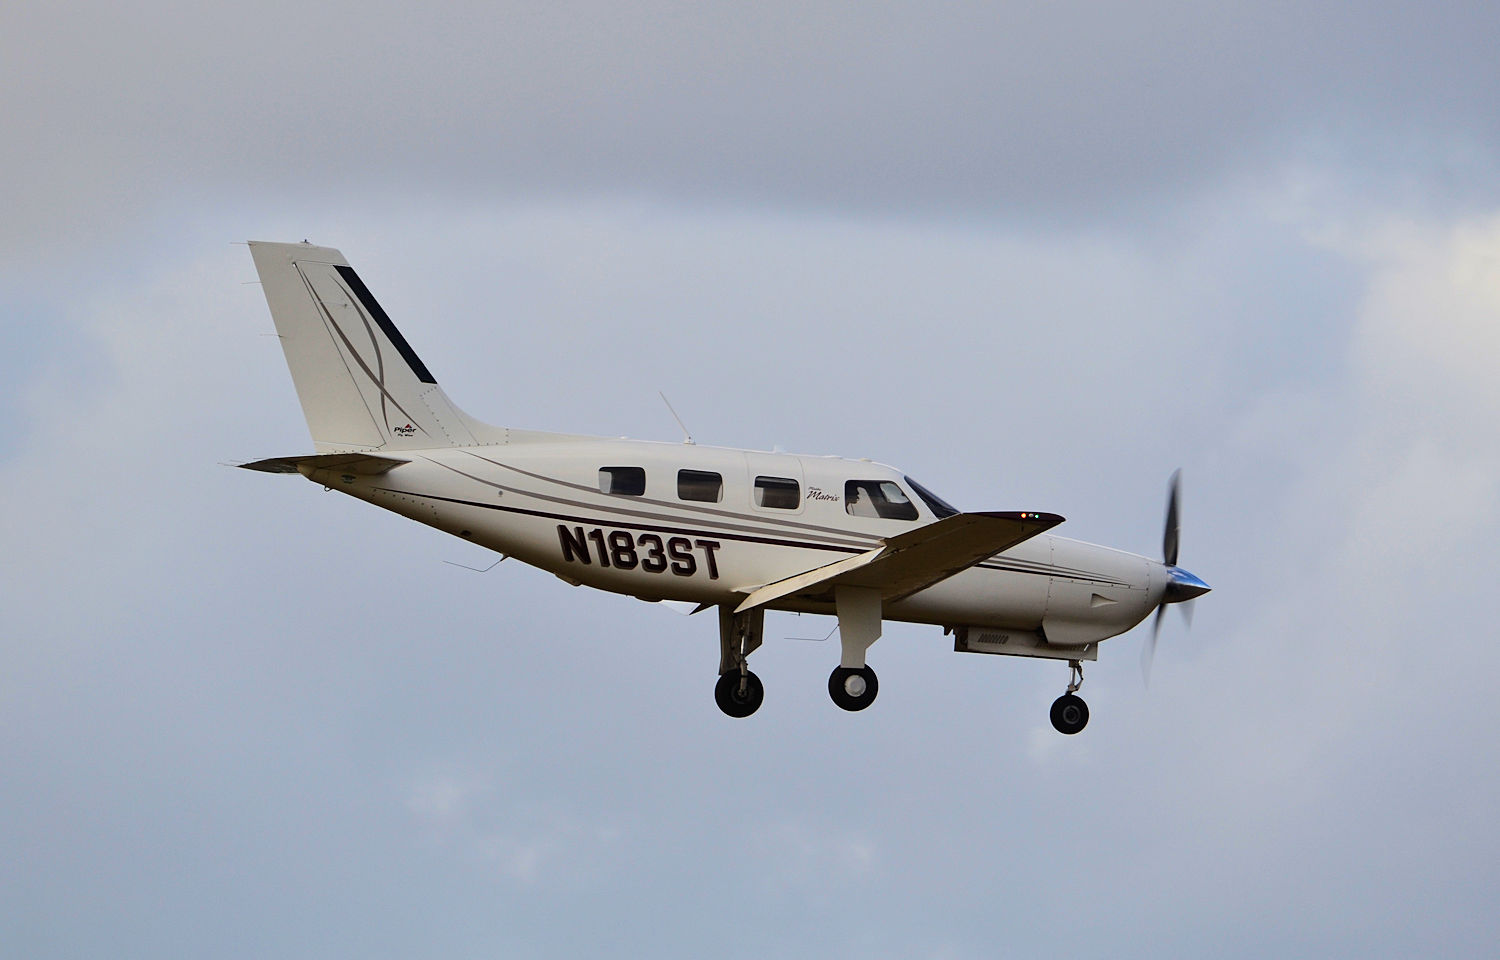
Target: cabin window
x,y
940,508
623,481
778,493
878,498
700,485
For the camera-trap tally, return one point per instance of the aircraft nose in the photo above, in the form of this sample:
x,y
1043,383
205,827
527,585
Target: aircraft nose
x,y
1182,585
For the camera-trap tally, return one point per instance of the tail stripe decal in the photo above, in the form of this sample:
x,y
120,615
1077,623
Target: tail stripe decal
x,y
362,294
377,379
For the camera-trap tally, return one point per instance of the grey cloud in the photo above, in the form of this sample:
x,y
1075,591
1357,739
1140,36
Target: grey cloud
x,y
242,717
1068,110
274,716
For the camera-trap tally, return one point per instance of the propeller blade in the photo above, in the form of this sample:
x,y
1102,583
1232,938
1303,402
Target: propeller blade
x,y
1170,535
1148,649
1181,587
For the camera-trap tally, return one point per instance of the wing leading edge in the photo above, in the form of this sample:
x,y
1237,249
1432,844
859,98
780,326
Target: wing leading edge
x,y
913,561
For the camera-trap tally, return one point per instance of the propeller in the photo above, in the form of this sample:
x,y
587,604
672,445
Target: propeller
x,y
1182,587
1170,535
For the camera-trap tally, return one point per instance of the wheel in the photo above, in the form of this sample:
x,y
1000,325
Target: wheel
x,y
1069,714
734,701
853,689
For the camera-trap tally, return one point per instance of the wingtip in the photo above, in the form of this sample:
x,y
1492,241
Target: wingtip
x,y
1027,516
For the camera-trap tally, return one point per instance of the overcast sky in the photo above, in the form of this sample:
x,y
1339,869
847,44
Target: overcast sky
x,y
1038,258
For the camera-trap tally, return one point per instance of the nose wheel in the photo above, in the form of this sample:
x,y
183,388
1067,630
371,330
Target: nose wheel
x,y
853,688
1069,713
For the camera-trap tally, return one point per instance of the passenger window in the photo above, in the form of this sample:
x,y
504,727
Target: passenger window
x,y
700,485
778,493
623,481
883,499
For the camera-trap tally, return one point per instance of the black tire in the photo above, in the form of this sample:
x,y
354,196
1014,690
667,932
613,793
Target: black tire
x,y
729,698
1069,714
842,697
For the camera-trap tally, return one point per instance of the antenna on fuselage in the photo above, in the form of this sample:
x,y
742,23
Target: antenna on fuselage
x,y
686,437
455,563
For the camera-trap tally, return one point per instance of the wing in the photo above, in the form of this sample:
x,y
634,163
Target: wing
x,y
914,560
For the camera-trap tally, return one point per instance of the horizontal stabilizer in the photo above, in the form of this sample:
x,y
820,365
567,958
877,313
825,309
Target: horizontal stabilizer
x,y
914,560
359,464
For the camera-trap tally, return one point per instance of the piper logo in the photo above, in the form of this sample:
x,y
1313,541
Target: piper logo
x,y
406,431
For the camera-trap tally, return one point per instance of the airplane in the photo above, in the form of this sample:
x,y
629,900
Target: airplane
x,y
739,531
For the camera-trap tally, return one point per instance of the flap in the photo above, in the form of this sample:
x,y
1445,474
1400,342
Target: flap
x,y
917,559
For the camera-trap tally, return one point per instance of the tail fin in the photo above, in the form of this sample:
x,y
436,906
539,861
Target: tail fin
x,y
361,385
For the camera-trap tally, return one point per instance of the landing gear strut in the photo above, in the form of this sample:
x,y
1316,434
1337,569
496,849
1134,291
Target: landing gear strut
x,y
1069,713
739,692
852,685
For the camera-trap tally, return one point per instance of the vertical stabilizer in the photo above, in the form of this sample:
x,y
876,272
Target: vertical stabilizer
x,y
361,385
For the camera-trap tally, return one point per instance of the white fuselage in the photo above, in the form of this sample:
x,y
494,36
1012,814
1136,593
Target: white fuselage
x,y
540,499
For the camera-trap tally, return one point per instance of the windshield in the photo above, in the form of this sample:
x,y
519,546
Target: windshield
x,y
878,498
939,507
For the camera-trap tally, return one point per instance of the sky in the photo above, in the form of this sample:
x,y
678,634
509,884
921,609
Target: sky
x,y
1037,257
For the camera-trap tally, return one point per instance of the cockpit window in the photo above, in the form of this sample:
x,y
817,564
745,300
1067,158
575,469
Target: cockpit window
x,y
623,481
779,493
878,498
940,508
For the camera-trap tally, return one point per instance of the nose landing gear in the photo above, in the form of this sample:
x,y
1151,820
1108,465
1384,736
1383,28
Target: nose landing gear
x,y
1069,713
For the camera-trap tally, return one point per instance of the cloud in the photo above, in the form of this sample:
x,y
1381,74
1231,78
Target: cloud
x,y
1430,314
808,856
1070,114
1038,258
1364,620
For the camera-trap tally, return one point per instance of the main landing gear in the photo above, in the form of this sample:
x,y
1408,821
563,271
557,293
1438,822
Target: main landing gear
x,y
852,685
739,692
1069,713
